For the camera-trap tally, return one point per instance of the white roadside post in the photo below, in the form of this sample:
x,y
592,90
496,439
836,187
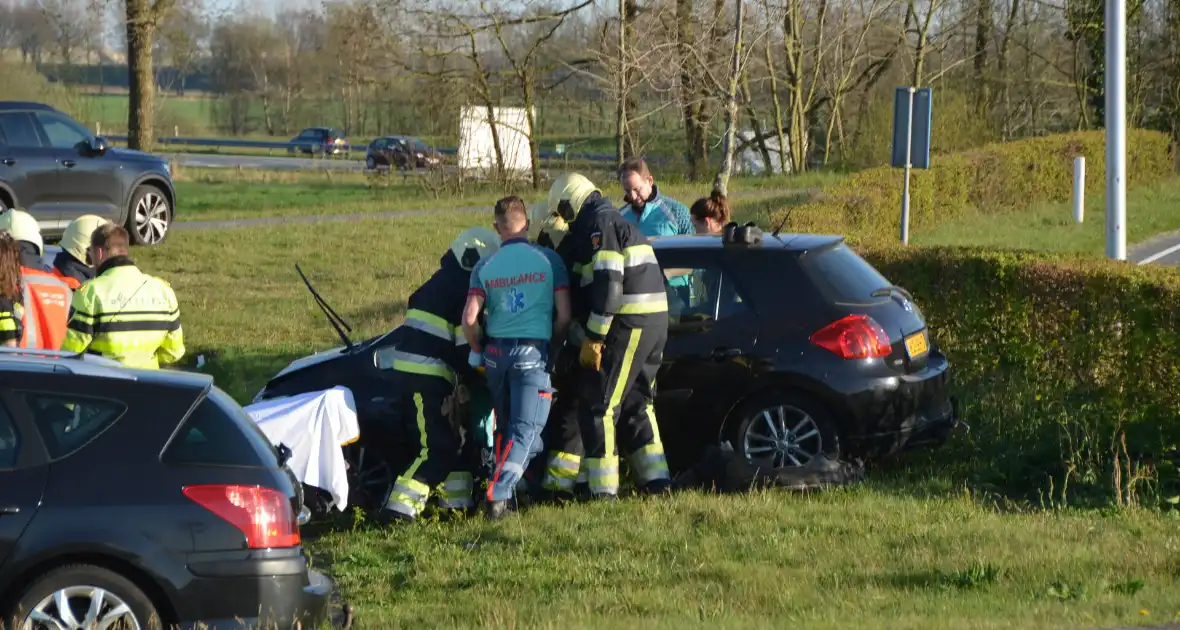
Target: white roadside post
x,y
1116,129
909,158
1079,187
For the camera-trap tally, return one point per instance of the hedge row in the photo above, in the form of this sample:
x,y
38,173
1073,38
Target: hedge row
x,y
995,178
1055,359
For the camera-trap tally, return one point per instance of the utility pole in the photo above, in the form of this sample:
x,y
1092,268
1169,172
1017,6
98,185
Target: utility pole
x,y
1116,129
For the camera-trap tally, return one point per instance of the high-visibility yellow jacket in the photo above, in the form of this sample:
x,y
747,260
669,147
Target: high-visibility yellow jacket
x,y
126,315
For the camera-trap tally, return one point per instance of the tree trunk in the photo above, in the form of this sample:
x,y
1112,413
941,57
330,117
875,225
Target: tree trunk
x,y
760,138
529,89
630,13
983,35
142,18
721,183
621,101
778,110
689,91
793,22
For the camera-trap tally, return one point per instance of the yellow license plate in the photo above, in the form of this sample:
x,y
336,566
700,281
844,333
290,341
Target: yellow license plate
x,y
916,346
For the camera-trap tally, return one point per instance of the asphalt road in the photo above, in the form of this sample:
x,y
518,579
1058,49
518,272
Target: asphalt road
x,y
1163,249
217,160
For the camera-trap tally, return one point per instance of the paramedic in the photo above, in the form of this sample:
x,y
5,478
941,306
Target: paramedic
x,y
429,366
123,313
46,298
525,291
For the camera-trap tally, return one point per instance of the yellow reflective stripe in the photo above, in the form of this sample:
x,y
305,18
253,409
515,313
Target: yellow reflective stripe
x,y
599,324
7,322
650,463
603,474
651,418
644,304
562,471
637,255
617,391
407,477
415,364
607,261
429,323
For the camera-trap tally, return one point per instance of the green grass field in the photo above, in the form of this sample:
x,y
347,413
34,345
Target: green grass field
x,y
1151,210
909,549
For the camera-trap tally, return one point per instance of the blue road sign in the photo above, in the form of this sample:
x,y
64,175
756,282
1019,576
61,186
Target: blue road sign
x,y
919,118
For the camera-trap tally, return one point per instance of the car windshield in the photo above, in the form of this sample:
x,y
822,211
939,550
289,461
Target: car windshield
x,y
843,275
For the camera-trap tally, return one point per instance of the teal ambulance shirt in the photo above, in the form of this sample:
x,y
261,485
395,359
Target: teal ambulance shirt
x,y
518,283
662,216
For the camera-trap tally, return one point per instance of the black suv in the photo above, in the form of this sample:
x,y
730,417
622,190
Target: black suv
x,y
143,497
56,169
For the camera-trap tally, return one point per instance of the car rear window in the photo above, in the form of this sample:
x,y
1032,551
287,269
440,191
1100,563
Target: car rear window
x,y
68,422
220,433
842,275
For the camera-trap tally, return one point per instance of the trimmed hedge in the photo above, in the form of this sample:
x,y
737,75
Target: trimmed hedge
x,y
1055,359
866,207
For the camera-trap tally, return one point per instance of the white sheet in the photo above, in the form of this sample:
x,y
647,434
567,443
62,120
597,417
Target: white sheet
x,y
314,426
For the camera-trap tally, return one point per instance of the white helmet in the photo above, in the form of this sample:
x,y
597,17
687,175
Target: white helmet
x,y
574,188
22,227
473,245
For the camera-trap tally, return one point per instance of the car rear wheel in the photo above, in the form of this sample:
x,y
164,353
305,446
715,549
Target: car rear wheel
x,y
370,163
150,216
785,430
85,596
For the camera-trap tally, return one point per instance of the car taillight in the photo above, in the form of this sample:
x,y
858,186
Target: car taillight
x,y
264,515
854,337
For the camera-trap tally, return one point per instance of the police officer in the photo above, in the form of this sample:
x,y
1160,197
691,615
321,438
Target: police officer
x,y
123,313
622,307
429,365
46,298
525,291
72,265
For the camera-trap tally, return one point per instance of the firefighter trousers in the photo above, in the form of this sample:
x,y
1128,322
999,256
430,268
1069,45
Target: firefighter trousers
x,y
437,455
620,396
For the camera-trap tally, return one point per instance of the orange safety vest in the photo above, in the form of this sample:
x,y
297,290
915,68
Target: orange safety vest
x,y
73,283
47,310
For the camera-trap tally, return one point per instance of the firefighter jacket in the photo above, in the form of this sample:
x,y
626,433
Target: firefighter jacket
x,y
431,341
126,315
614,271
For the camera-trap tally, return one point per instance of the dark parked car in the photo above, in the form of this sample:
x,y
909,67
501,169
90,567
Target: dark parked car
x,y
402,152
132,495
787,348
320,141
57,170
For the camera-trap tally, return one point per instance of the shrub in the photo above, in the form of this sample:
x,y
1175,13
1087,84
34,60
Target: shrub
x,y
1055,358
995,178
24,83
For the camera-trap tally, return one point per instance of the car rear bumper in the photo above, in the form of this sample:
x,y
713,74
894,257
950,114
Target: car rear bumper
x,y
257,589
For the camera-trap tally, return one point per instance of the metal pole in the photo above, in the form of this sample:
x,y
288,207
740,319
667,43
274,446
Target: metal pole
x,y
1079,187
1116,129
905,191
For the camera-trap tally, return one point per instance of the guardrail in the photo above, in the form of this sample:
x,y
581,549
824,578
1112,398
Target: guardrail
x,y
231,143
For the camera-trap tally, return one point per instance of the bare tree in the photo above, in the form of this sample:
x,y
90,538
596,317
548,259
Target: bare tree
x,y
721,182
181,34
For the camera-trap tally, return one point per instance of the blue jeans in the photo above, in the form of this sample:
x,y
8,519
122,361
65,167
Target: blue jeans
x,y
522,394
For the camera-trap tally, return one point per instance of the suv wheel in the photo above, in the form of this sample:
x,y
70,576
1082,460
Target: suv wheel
x,y
370,163
149,217
84,596
785,430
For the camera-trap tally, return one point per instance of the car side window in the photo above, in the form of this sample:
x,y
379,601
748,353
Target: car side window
x,y
68,422
62,132
9,440
20,130
705,293
219,433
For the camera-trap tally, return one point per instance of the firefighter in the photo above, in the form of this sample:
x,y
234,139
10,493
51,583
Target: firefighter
x,y
430,372
73,265
123,313
621,306
524,291
46,298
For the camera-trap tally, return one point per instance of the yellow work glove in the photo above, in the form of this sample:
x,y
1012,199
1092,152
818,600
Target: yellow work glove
x,y
591,355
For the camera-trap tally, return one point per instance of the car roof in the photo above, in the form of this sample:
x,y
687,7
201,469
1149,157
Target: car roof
x,y
26,105
24,360
783,242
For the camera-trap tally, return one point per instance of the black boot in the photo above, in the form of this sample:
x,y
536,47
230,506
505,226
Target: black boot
x,y
657,486
386,517
496,510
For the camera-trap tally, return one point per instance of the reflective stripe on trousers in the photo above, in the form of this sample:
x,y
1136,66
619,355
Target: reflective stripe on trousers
x,y
414,364
409,495
603,475
562,472
456,491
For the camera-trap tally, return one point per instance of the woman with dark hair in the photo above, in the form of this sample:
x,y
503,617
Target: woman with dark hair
x,y
710,214
10,291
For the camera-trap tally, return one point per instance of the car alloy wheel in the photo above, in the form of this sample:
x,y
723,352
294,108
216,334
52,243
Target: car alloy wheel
x,y
81,607
151,217
783,436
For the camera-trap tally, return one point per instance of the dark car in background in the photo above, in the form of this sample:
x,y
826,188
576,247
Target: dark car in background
x,y
320,141
401,152
56,169
139,496
789,347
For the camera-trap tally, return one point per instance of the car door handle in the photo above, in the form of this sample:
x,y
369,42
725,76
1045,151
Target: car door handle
x,y
726,353
9,161
68,163
9,509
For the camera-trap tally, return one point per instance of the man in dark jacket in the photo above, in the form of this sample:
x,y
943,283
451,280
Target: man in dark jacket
x,y
72,264
429,366
620,304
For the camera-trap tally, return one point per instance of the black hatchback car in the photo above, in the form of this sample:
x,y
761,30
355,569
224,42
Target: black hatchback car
x,y
787,348
55,168
401,152
146,497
